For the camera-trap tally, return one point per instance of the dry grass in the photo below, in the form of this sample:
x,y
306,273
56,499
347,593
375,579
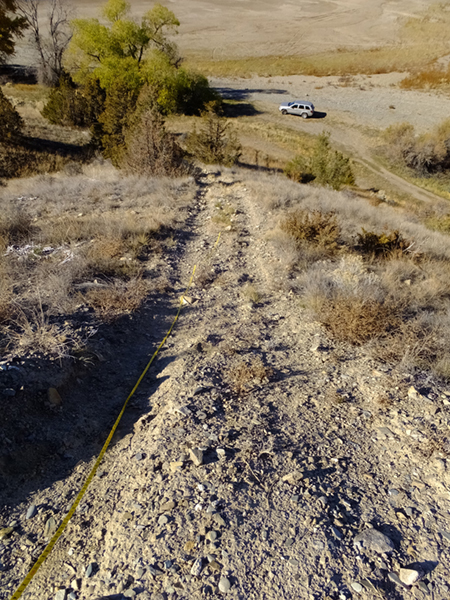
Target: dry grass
x,y
80,241
388,285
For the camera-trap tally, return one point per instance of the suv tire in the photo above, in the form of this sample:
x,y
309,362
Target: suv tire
x,y
284,112
304,115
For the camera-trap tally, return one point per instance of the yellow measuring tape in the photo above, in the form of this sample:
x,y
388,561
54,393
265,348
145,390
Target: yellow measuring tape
x,y
34,569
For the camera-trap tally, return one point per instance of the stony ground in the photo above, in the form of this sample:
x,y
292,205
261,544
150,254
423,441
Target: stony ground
x,y
258,459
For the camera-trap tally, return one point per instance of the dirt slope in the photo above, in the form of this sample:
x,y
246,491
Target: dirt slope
x,y
305,445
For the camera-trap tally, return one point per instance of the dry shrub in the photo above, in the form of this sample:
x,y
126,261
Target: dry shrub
x,y
315,227
431,78
32,333
247,374
356,319
382,245
15,226
152,150
117,298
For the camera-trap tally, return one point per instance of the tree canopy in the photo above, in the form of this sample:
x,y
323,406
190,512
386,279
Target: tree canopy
x,y
120,47
10,26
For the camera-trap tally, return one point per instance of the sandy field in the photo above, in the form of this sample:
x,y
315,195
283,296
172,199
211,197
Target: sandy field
x,y
224,28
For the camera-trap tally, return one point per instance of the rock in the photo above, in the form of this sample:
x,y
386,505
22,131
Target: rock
x,y
374,541
76,584
184,411
6,532
219,520
72,596
357,587
224,585
211,536
337,534
413,394
220,452
163,520
409,576
61,595
91,568
176,466
9,392
166,506
197,567
31,512
292,478
196,455
54,398
50,527
395,579
139,456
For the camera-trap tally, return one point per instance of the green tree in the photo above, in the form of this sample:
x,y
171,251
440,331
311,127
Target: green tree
x,y
10,26
118,48
325,167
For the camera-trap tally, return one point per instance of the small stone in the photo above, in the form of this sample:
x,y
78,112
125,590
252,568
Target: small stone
x,y
166,506
375,541
50,527
31,512
163,520
196,455
445,535
409,576
184,411
289,542
75,584
176,466
357,587
395,579
224,585
54,397
393,492
61,595
189,546
139,456
220,452
294,562
219,520
197,567
91,568
211,536
130,593
6,532
337,534
423,587
72,596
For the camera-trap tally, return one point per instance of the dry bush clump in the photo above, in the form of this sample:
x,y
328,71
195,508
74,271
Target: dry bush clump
x,y
357,319
118,297
248,373
382,245
314,227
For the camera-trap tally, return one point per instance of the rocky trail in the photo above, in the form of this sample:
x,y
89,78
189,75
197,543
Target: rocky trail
x,y
258,459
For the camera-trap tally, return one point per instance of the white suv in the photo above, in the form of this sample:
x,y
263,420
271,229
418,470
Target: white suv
x,y
298,107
